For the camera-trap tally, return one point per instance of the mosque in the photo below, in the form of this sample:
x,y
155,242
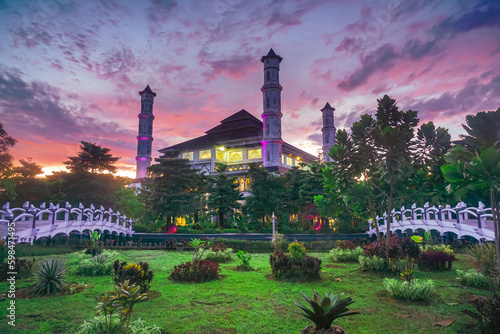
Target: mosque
x,y
241,138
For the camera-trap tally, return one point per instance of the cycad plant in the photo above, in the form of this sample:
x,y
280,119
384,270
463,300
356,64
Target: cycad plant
x,y
50,273
325,310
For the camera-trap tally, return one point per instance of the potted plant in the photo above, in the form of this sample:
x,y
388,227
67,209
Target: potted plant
x,y
324,311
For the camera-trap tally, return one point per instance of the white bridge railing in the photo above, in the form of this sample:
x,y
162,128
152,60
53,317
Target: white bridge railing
x,y
463,221
28,223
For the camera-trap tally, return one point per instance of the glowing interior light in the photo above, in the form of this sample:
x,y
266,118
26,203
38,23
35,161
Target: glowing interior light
x,y
141,158
142,138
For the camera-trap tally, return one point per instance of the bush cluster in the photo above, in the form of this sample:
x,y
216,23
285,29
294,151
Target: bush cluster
x,y
473,278
414,290
346,255
218,255
488,313
436,260
98,265
306,268
98,325
399,248
23,268
196,271
345,244
138,274
375,263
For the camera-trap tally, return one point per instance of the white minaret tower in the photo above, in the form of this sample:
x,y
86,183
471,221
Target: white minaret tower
x,y
271,117
328,131
145,136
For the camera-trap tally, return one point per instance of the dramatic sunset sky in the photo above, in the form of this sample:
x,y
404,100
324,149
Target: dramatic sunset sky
x,y
71,70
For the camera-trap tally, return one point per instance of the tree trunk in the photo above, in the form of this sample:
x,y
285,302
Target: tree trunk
x,y
221,219
374,217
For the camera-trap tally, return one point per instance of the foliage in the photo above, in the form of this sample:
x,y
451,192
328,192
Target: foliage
x,y
200,246
97,265
49,274
127,202
6,185
121,299
375,263
487,313
278,241
22,267
267,196
473,278
92,158
306,268
437,248
196,271
225,255
436,260
98,325
346,255
223,195
325,310
345,244
244,260
137,274
398,248
297,250
95,246
485,256
414,290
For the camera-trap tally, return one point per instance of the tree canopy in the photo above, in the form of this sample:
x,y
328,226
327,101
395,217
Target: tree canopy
x,y
92,158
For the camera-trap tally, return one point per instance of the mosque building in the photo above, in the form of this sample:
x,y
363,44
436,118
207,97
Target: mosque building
x,y
241,138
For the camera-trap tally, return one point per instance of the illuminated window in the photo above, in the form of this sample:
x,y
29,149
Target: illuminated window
x,y
289,161
236,156
205,154
255,154
242,184
180,221
247,185
221,156
283,159
187,155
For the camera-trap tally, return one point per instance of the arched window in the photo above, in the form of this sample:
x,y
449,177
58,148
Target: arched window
x,y
268,77
267,102
274,100
242,184
247,185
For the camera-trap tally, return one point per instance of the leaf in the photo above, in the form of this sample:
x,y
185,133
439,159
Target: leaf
x,y
443,323
490,158
418,239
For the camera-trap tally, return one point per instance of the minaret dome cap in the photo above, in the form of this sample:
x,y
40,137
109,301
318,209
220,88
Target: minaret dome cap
x,y
147,90
328,107
271,54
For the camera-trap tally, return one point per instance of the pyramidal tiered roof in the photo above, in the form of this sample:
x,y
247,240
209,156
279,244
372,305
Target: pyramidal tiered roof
x,y
237,126
147,90
327,107
271,54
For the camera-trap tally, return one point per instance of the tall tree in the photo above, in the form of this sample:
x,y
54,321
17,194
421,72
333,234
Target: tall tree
x,y
92,158
223,194
266,196
29,187
6,183
174,189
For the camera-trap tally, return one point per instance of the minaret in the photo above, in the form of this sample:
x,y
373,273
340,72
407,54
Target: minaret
x,y
272,141
328,131
145,136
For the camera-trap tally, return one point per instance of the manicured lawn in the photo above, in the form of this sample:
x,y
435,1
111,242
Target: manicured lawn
x,y
249,302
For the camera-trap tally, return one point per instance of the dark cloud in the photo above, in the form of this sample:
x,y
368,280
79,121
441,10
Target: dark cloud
x,y
472,98
160,10
381,59
485,14
234,65
417,49
316,138
35,109
350,45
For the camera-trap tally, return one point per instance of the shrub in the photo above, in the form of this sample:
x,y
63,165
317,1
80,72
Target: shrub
x,y
398,248
414,290
437,248
244,260
345,244
98,325
346,254
223,255
297,250
217,247
50,273
98,265
488,313
474,279
196,271
436,260
22,267
306,268
485,256
326,310
138,274
278,241
375,263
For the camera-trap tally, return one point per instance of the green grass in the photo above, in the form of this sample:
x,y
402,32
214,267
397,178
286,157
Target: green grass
x,y
249,302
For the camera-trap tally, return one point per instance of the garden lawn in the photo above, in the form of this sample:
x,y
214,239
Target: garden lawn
x,y
248,302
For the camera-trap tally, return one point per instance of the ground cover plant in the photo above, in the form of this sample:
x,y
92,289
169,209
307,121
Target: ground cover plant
x,y
248,301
